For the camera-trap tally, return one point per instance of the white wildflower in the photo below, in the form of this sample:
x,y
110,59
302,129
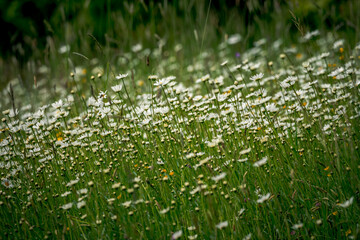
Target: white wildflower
x,y
153,77
160,162
245,151
165,210
219,177
297,226
121,76
81,204
13,113
126,204
325,55
82,191
241,211
289,81
338,44
222,225
136,48
260,162
64,49
39,114
72,182
195,190
102,95
191,228
67,206
116,185
197,98
263,198
233,39
191,237
57,104
6,112
272,107
177,234
347,203
7,183
139,201
215,142
247,237
257,77
224,63
205,78
136,179
318,222
243,160
162,82
310,35
70,98
65,194
117,88
306,64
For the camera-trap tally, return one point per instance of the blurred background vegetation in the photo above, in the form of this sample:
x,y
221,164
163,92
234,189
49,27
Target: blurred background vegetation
x,y
39,32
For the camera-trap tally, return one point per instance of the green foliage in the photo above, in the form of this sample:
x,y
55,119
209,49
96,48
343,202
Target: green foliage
x,y
261,144
181,120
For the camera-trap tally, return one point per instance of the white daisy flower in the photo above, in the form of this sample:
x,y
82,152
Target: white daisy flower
x,y
260,162
117,88
195,190
116,185
222,225
177,235
121,76
126,204
57,104
263,198
191,228
257,77
72,182
346,203
247,237
165,210
245,151
82,191
65,194
219,177
67,206
233,39
162,82
81,204
297,226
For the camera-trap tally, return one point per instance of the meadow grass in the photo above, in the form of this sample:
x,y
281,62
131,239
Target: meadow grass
x,y
261,145
182,139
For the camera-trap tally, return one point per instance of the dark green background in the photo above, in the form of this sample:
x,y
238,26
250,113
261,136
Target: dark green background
x,y
29,25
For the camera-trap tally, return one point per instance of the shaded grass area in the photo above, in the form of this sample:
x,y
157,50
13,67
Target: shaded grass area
x,y
37,31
